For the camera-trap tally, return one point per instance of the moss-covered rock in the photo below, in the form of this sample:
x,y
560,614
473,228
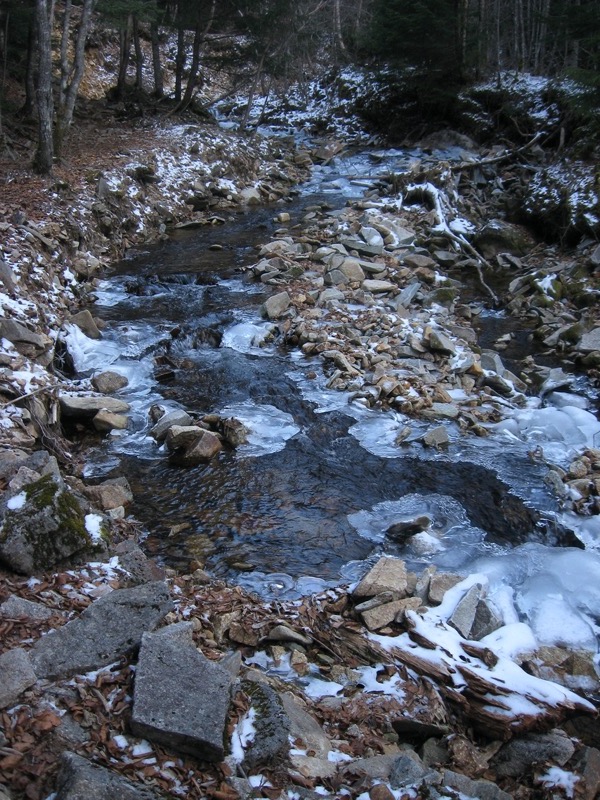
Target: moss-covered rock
x,y
41,526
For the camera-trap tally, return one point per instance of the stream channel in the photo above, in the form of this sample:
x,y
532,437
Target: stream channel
x,y
307,502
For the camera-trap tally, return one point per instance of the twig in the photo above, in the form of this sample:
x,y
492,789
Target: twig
x,y
27,396
495,159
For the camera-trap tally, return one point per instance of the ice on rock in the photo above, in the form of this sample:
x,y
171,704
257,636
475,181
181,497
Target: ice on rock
x,y
560,431
248,337
269,428
89,354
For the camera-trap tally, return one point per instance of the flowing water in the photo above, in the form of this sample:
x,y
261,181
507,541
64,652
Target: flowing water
x,y
309,499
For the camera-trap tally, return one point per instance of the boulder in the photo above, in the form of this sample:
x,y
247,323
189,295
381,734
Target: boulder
x,y
26,342
441,343
106,421
519,755
86,323
19,608
590,341
276,305
78,779
177,417
16,675
498,236
484,790
251,196
408,770
181,699
108,629
439,583
463,616
112,493
206,446
86,407
388,575
182,436
270,744
109,382
42,526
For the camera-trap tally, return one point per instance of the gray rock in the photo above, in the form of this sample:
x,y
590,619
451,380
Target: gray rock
x,y
181,699
377,287
409,770
17,607
304,727
377,767
46,529
78,779
388,575
109,382
328,295
276,305
7,276
498,236
436,437
441,343
86,323
486,621
206,446
108,629
590,341
182,436
518,756
109,494
106,421
595,256
177,417
483,790
463,616
443,410
362,248
439,583
18,334
270,745
86,407
16,675
419,261
251,196
138,566
408,294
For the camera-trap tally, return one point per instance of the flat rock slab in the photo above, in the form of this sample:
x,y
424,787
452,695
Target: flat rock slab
x,y
78,779
16,675
181,699
108,629
177,417
89,405
19,608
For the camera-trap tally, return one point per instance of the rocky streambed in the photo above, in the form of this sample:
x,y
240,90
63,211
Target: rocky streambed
x,y
420,654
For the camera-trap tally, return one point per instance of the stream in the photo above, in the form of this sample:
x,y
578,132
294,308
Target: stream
x,y
306,504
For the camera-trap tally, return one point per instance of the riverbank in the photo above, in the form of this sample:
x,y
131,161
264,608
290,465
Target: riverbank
x,y
347,746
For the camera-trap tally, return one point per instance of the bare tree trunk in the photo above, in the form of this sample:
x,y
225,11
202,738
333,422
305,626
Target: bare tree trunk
x,y
159,88
199,37
179,63
30,73
139,55
64,53
337,27
71,74
125,48
252,91
44,157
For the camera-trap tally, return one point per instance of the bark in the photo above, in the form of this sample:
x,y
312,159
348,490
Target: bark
x,y
179,64
44,157
159,88
71,73
139,56
252,91
199,37
125,48
30,73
